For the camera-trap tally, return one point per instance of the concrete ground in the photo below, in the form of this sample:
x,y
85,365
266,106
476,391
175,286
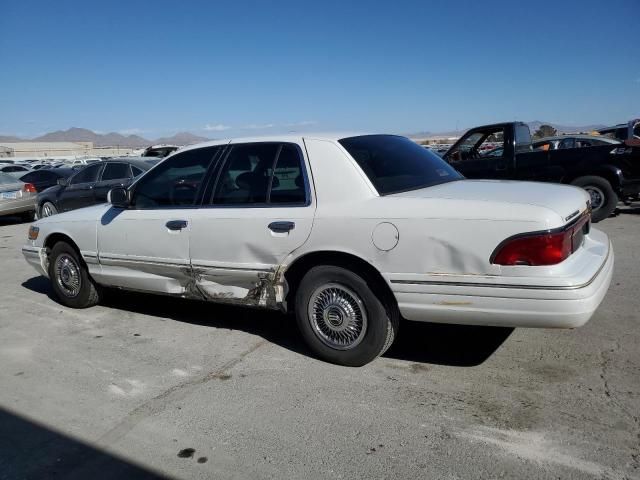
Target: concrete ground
x,y
145,386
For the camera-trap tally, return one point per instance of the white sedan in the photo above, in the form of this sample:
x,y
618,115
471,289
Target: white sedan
x,y
349,233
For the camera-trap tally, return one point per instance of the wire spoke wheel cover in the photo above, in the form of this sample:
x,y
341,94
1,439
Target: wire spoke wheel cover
x,y
67,273
597,196
337,316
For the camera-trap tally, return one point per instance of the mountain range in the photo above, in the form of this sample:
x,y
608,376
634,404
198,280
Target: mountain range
x,y
107,139
185,138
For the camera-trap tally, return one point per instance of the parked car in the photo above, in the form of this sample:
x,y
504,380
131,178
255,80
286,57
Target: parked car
x,y
14,170
608,172
159,151
16,197
351,234
561,142
626,132
44,178
89,185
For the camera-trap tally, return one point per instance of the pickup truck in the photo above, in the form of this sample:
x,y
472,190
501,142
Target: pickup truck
x,y
609,173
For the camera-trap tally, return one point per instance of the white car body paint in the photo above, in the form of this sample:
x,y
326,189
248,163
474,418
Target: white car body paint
x,y
432,246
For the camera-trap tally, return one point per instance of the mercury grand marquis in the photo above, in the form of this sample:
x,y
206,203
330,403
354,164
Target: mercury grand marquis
x,y
349,233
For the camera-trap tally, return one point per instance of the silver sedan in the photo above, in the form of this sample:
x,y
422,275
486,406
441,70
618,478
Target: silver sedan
x,y
16,197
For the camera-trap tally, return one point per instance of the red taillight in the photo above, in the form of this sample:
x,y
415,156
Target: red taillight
x,y
542,248
29,187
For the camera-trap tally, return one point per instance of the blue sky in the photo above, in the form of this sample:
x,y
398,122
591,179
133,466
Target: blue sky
x,y
232,68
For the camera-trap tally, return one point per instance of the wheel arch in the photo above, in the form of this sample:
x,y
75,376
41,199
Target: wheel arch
x,y
611,173
296,270
56,237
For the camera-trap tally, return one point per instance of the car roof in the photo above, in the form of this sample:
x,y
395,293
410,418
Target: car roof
x,y
285,137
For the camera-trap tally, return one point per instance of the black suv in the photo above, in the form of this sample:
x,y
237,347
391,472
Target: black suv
x,y
90,185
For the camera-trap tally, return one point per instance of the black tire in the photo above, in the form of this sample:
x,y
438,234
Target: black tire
x,y
381,315
604,199
65,262
47,209
28,216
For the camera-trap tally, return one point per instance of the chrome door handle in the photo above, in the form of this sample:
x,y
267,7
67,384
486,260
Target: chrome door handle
x,y
176,224
281,227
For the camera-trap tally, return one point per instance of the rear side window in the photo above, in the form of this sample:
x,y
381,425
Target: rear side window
x,y
397,164
87,175
176,181
246,174
115,171
261,174
288,185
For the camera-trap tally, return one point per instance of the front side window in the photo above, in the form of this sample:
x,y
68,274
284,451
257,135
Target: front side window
x,y
396,164
86,175
478,144
115,171
176,181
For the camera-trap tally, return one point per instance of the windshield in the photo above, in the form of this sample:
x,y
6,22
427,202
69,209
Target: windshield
x,y
7,179
397,164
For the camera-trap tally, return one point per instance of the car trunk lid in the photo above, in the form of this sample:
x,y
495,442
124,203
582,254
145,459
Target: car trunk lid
x,y
568,202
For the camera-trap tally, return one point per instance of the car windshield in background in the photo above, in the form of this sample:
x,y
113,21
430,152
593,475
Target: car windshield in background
x,y
396,164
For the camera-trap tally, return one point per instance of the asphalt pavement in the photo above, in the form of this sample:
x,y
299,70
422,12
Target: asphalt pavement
x,y
150,387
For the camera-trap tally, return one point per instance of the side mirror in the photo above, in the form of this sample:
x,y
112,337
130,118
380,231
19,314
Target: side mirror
x,y
62,182
118,197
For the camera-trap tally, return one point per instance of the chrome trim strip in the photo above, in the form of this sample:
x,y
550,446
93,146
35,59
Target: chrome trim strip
x,y
113,260
506,285
31,252
239,269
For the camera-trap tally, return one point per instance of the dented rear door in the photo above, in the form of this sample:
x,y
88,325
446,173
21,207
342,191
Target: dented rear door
x,y
260,208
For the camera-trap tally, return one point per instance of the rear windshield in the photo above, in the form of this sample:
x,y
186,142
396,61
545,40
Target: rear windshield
x,y
7,179
396,164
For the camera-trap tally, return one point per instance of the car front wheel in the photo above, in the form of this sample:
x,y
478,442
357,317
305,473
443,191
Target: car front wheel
x,y
341,318
72,284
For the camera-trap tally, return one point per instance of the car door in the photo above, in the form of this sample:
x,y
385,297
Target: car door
x,y
79,192
114,174
257,209
146,246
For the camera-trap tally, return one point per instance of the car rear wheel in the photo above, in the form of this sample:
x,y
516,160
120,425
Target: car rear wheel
x,y
341,319
70,279
48,209
603,198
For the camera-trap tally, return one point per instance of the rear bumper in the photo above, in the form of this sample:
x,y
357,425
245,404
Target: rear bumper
x,y
11,207
37,258
566,306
